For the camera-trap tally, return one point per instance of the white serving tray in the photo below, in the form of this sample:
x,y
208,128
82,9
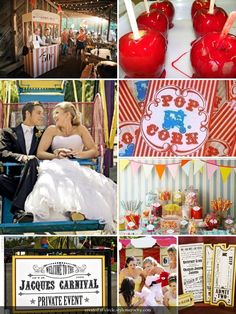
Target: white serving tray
x,y
179,37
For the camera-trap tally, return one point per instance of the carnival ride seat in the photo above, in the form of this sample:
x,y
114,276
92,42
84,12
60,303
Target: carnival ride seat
x,y
6,223
8,227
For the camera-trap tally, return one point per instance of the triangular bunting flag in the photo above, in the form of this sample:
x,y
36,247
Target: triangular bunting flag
x,y
135,166
198,164
123,164
225,172
160,170
211,168
184,162
147,170
173,169
186,168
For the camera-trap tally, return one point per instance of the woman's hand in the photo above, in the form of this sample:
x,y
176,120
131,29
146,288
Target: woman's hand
x,y
76,153
61,153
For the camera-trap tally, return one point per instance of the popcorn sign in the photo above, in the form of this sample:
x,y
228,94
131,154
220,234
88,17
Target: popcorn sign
x,y
175,120
49,282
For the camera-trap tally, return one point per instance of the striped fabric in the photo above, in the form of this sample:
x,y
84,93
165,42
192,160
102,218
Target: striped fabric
x,y
135,186
41,60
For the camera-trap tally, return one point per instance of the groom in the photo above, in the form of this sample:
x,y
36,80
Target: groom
x,y
19,145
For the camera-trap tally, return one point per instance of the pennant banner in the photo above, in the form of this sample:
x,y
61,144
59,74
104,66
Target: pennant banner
x,y
123,164
173,169
211,168
147,170
135,166
198,165
186,168
225,172
160,170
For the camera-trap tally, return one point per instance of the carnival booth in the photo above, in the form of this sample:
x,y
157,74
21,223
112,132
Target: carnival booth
x,y
41,59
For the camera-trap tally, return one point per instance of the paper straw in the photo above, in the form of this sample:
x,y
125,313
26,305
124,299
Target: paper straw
x,y
211,8
132,19
146,6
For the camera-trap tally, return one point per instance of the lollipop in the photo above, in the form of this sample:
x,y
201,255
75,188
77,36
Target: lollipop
x,y
166,7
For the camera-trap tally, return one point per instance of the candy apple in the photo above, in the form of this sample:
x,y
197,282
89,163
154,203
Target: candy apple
x,y
199,5
204,22
213,60
155,19
143,57
166,7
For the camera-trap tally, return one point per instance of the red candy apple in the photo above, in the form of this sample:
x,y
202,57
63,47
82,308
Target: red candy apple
x,y
143,57
199,5
213,60
166,7
204,22
155,19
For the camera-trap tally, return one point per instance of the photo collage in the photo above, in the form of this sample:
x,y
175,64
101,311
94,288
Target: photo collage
x,y
118,156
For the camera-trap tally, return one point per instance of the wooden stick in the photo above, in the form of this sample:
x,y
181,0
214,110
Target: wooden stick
x,y
146,6
211,8
132,19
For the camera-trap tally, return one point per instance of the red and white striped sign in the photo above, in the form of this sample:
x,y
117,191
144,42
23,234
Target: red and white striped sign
x,y
223,130
129,109
202,93
41,60
231,89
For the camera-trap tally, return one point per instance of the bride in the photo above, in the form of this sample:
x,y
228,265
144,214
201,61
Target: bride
x,y
65,190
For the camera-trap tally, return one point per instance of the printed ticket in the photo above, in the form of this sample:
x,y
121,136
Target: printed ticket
x,y
223,275
191,263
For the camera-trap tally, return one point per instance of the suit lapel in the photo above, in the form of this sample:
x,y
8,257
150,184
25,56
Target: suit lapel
x,y
20,139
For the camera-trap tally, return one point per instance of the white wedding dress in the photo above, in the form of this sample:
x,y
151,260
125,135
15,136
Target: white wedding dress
x,y
65,186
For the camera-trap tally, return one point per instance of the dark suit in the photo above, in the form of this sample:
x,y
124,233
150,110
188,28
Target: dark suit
x,y
12,146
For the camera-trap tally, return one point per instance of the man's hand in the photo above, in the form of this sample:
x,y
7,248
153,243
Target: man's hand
x,y
26,158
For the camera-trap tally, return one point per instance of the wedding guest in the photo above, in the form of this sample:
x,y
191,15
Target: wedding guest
x,y
80,41
172,251
19,145
132,270
64,41
126,294
71,41
171,295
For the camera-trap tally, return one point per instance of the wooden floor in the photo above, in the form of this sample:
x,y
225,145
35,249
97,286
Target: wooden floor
x,y
70,67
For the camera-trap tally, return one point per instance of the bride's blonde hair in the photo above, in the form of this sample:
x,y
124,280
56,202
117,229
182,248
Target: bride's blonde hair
x,y
69,107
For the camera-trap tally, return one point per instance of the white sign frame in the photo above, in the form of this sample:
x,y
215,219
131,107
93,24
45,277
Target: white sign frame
x,y
2,273
70,280
195,279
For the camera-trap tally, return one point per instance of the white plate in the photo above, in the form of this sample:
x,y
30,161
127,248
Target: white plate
x,y
179,37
